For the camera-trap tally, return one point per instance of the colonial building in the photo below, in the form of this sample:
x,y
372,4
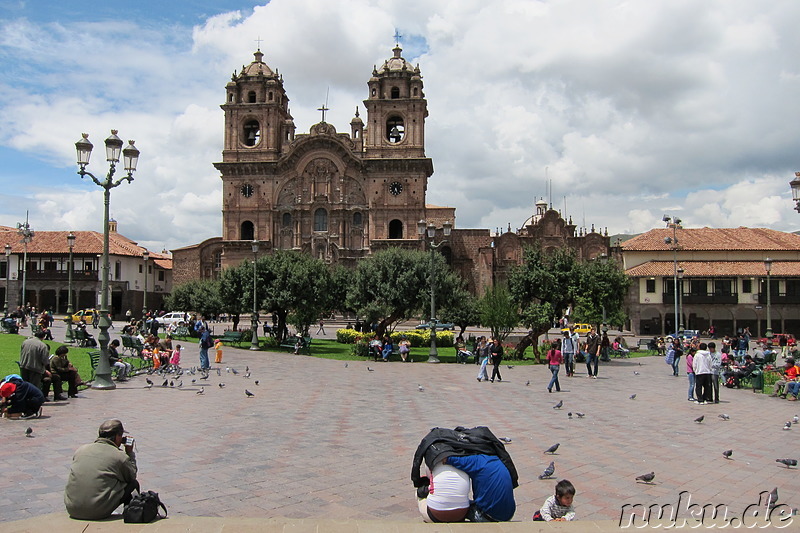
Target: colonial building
x,y
46,272
721,277
342,196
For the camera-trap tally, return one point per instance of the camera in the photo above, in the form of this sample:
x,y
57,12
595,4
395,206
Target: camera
x,y
129,441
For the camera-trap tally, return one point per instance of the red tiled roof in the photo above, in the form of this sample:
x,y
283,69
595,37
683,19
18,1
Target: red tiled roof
x,y
86,242
707,269
715,239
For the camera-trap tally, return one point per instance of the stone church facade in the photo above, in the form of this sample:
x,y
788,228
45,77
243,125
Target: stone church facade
x,y
342,196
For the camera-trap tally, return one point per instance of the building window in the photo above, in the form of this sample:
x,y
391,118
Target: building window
x,y
248,231
396,229
117,270
141,269
747,286
251,97
357,219
447,252
395,93
416,91
160,275
4,270
320,220
270,96
252,133
286,220
395,129
218,260
650,285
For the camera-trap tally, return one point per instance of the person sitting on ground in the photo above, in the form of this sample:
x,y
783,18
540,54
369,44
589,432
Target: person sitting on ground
x,y
20,399
492,487
101,477
49,379
114,359
446,499
61,365
558,507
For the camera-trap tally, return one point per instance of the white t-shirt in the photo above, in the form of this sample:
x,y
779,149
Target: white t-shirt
x,y
449,488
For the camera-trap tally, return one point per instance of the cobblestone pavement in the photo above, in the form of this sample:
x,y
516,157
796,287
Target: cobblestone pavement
x,y
321,439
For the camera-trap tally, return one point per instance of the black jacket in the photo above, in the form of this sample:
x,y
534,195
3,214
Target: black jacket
x,y
441,443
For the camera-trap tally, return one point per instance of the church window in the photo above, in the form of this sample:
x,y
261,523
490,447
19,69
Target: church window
x,y
286,220
447,252
270,96
248,231
416,91
252,133
396,229
251,97
230,98
395,93
374,92
320,220
395,129
217,260
357,219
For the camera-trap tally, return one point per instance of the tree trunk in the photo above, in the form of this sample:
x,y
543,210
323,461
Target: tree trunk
x,y
531,339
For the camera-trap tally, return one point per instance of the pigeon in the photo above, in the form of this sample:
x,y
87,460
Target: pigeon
x,y
788,425
528,383
29,433
727,454
647,478
570,415
201,391
180,384
548,472
370,369
787,462
420,387
510,366
149,381
633,396
219,372
171,383
221,385
247,368
795,419
227,369
194,380
256,382
725,417
166,382
559,405
506,440
580,415
345,365
699,419
149,385
772,498
635,373
248,393
205,376
234,372
552,449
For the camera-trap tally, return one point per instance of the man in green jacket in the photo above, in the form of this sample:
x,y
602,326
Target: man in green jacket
x,y
101,476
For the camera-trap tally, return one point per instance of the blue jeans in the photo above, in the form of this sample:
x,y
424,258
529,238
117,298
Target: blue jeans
x,y
793,388
691,385
569,363
554,379
589,359
675,366
204,364
482,375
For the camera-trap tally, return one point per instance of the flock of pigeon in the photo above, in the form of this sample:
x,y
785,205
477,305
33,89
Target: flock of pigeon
x,y
171,377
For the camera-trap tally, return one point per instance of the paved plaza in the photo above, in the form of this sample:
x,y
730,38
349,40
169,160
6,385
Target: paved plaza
x,y
322,439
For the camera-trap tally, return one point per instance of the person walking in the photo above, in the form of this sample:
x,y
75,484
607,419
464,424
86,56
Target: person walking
x,y
496,351
702,375
593,353
205,343
34,355
482,353
568,348
321,327
690,372
676,357
716,369
554,364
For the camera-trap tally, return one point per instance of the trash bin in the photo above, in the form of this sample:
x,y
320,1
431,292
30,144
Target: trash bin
x,y
757,380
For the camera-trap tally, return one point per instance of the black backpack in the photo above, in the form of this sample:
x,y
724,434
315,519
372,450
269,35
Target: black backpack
x,y
143,508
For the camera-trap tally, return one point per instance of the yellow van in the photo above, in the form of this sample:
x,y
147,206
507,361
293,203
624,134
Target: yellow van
x,y
87,315
580,329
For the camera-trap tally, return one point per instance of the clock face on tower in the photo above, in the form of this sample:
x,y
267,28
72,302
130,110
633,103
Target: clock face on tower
x,y
246,190
395,188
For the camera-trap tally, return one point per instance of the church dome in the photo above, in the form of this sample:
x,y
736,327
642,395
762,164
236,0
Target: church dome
x,y
397,63
257,67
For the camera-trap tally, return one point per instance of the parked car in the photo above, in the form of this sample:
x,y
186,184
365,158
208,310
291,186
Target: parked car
x,y
775,340
87,315
580,329
179,318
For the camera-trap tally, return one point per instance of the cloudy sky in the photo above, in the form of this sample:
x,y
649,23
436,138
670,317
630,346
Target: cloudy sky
x,y
631,109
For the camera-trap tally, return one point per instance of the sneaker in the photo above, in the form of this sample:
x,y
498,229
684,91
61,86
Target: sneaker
x,y
691,399
701,403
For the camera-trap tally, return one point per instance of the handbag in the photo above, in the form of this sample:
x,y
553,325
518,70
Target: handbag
x,y
143,508
670,357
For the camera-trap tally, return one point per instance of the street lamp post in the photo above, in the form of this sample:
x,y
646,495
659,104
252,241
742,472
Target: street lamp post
x,y
768,267
680,299
254,322
674,223
71,244
27,236
424,227
145,257
795,185
130,158
8,278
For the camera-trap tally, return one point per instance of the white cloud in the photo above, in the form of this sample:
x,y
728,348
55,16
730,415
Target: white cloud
x,y
634,108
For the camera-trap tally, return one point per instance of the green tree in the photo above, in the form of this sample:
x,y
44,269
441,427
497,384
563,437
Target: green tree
x,y
462,311
602,286
498,312
201,296
394,284
236,290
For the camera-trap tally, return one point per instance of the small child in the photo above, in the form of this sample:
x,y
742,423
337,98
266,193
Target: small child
x,y
175,360
218,347
558,507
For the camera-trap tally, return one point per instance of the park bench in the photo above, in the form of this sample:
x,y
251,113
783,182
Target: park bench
x,y
233,337
35,328
182,331
132,346
5,326
80,337
291,342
